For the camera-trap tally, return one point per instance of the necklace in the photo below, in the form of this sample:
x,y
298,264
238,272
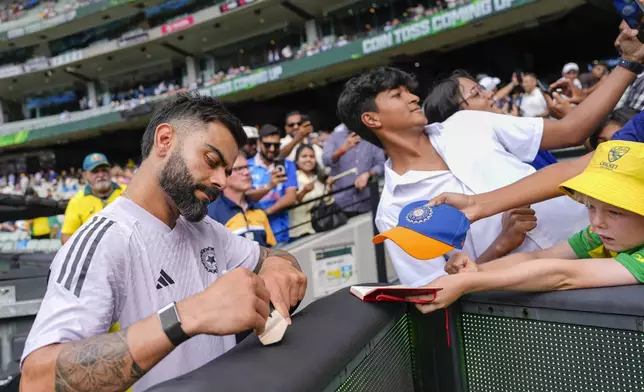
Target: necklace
x,y
126,195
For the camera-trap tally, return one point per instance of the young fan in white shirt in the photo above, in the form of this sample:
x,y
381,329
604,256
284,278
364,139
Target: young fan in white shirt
x,y
472,152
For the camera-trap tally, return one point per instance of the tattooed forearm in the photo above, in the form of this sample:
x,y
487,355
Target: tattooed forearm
x,y
101,363
266,253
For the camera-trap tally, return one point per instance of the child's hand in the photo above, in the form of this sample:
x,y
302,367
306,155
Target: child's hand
x,y
460,262
452,289
515,224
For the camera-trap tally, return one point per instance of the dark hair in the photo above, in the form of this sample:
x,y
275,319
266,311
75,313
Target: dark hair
x,y
445,97
322,176
292,113
192,107
268,130
619,116
359,96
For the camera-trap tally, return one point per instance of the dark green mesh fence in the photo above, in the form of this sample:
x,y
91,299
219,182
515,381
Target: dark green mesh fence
x,y
507,354
389,365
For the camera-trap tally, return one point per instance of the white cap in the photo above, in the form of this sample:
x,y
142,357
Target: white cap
x,y
570,67
489,83
251,132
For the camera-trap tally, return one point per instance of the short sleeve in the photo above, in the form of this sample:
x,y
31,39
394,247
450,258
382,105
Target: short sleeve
x,y
633,130
240,251
584,242
633,262
520,136
85,289
291,175
72,219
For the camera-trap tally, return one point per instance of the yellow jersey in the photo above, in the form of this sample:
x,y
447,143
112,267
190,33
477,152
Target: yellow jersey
x,y
40,226
84,205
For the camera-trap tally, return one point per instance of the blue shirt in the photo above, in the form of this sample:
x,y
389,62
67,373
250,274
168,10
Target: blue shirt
x,y
252,223
261,176
633,131
543,159
364,157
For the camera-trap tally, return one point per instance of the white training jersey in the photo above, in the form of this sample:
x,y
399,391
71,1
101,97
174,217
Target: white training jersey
x,y
124,265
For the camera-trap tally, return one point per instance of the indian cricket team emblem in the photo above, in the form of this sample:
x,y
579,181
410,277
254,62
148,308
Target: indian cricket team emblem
x,y
420,214
208,259
617,152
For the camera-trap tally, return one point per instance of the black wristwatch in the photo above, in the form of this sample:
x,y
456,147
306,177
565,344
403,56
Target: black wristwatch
x,y
632,66
171,324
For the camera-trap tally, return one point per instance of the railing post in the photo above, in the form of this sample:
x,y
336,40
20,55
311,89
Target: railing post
x,y
381,266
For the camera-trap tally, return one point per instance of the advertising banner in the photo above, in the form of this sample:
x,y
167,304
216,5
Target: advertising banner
x,y
178,25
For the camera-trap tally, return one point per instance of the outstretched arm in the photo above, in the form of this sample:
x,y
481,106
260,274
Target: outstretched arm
x,y
533,275
535,188
576,127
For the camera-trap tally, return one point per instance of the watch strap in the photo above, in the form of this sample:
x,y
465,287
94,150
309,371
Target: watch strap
x,y
171,324
632,66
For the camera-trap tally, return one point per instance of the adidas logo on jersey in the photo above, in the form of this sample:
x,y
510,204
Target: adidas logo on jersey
x,y
164,280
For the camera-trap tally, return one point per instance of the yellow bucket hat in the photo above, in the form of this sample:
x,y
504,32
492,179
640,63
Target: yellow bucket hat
x,y
615,176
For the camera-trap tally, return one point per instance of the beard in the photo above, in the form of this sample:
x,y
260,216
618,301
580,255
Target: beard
x,y
177,182
102,186
268,159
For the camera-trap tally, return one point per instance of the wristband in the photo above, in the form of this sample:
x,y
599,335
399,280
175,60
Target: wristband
x,y
632,66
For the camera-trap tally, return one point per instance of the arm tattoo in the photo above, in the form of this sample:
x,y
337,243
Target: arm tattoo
x,y
102,363
265,253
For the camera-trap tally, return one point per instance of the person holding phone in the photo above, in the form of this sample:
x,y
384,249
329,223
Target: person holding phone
x,y
299,130
274,182
343,151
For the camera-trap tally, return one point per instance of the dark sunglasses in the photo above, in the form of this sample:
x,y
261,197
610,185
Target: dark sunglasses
x,y
294,124
251,140
268,146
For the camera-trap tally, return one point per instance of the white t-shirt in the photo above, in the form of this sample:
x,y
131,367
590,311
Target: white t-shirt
x,y
124,265
533,104
484,151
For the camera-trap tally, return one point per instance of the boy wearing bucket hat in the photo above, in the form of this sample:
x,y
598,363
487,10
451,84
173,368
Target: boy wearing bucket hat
x,y
609,252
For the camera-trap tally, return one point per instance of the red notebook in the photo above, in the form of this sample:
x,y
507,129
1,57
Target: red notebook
x,y
393,293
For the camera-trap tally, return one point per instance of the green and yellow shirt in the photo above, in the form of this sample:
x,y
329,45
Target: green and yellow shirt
x,y
588,245
84,205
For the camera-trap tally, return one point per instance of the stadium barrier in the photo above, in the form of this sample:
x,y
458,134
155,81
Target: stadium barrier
x,y
583,340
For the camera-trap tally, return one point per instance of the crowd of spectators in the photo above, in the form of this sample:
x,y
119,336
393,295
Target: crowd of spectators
x,y
127,99
61,185
299,163
15,9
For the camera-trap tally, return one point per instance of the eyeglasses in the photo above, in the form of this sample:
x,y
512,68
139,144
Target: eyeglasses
x,y
268,146
474,92
239,169
294,124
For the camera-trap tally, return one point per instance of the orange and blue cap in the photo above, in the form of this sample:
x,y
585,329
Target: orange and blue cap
x,y
426,232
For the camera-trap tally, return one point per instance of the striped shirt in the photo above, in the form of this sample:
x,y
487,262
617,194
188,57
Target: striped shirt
x,y
124,265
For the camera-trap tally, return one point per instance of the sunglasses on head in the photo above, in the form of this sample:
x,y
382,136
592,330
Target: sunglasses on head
x,y
268,145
